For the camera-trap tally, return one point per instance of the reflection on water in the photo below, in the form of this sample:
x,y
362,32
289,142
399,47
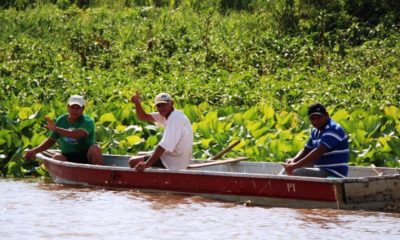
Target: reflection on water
x,y
35,209
363,222
156,201
325,218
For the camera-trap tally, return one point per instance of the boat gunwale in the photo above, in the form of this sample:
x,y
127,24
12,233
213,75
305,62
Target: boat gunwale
x,y
219,173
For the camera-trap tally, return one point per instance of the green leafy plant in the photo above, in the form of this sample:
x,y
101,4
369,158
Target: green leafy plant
x,y
228,64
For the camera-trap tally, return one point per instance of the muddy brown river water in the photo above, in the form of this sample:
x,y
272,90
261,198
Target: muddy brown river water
x,y
38,209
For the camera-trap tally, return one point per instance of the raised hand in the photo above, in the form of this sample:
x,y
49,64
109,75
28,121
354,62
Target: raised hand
x,y
136,98
50,124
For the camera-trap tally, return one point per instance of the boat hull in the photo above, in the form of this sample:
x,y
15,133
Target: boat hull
x,y
225,183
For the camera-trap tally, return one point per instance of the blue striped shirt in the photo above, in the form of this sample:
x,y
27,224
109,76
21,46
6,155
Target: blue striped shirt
x,y
333,137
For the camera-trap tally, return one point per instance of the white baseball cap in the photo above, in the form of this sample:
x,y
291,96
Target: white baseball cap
x,y
162,98
76,100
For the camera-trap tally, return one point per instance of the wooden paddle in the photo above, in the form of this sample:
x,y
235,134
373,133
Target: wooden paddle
x,y
215,157
379,173
282,171
49,154
231,160
227,149
219,155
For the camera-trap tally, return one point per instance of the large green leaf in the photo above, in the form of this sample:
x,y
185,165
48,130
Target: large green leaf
x,y
205,143
203,128
251,114
24,113
283,119
340,115
26,123
262,140
371,123
349,126
4,133
134,139
126,113
268,112
151,142
285,135
14,169
37,139
192,112
284,146
216,126
384,143
360,136
394,144
393,112
221,138
253,125
210,116
257,133
238,119
107,118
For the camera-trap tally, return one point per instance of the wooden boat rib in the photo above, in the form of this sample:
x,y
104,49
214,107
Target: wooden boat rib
x,y
248,182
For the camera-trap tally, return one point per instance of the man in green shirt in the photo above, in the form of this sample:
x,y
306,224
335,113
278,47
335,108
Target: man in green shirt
x,y
74,133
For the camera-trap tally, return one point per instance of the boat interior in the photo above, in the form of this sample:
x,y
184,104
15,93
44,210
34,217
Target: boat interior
x,y
255,167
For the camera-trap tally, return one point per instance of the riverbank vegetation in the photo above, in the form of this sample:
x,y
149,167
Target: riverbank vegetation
x,y
240,69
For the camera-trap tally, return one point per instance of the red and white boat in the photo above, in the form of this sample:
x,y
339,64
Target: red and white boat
x,y
256,183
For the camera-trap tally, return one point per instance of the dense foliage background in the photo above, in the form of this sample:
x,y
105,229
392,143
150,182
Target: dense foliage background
x,y
240,69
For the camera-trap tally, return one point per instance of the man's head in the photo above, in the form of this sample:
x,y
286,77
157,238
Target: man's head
x,y
76,104
318,115
164,104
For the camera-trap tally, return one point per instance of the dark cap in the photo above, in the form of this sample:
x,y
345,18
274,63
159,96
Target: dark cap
x,y
316,109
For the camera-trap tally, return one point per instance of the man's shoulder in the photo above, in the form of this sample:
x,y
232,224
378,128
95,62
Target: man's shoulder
x,y
62,117
178,114
87,118
334,126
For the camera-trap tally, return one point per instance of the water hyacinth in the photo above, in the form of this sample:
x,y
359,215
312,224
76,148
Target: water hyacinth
x,y
232,68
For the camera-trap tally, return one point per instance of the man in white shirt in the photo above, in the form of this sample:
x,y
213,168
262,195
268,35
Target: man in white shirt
x,y
174,151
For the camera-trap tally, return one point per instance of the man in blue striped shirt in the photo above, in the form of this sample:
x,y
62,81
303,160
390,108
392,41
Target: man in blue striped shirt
x,y
327,150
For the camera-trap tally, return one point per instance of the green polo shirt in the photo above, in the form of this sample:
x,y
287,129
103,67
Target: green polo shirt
x,y
70,145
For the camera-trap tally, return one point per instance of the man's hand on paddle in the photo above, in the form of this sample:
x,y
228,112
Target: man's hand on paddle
x,y
140,166
138,163
289,166
29,154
